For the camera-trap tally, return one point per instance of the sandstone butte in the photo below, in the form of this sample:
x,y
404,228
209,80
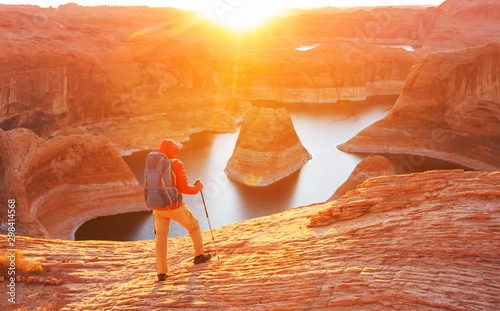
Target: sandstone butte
x,y
268,148
369,167
449,110
424,241
62,182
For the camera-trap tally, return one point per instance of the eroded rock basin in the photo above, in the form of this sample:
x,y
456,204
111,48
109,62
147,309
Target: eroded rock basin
x,y
206,154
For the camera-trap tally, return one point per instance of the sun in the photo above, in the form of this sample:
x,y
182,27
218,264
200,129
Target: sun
x,y
240,15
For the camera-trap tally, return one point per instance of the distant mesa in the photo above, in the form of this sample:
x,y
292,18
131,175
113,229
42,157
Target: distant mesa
x,y
268,148
369,167
449,110
334,71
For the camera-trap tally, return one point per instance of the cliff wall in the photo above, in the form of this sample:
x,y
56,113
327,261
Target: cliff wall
x,y
92,66
449,110
453,24
62,182
477,21
333,71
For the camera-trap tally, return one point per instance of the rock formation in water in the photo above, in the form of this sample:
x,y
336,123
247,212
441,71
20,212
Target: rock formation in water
x,y
449,110
369,167
60,183
268,148
425,241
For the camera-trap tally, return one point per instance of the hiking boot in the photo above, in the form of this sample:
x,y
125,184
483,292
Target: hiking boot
x,y
201,258
162,277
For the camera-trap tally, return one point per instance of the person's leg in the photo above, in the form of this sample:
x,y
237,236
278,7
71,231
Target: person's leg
x,y
162,225
186,218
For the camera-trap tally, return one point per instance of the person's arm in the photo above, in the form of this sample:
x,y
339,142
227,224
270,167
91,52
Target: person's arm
x,y
182,181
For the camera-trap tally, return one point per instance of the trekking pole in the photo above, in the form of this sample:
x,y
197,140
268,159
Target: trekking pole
x,y
209,225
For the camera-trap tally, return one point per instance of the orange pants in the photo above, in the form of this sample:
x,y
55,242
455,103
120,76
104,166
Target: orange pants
x,y
162,224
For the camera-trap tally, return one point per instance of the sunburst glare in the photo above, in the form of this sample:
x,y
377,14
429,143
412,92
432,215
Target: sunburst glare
x,y
240,15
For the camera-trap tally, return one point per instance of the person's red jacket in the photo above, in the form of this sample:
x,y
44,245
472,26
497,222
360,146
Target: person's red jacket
x,y
180,179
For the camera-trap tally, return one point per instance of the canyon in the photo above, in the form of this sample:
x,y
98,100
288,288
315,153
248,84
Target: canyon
x,y
423,241
449,110
82,86
62,69
130,82
167,71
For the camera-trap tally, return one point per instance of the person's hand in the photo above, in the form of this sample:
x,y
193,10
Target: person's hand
x,y
199,184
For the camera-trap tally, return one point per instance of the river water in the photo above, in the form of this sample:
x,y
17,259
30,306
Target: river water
x,y
320,127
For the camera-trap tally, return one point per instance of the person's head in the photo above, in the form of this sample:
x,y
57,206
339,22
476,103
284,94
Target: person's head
x,y
169,148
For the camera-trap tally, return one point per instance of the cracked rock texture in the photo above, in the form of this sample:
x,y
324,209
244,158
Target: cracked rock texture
x,y
268,148
425,241
449,110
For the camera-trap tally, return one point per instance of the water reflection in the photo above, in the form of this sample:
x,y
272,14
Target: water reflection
x,y
266,200
123,227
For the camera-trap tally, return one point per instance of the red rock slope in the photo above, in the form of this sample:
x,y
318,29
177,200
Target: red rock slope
x,y
424,241
449,109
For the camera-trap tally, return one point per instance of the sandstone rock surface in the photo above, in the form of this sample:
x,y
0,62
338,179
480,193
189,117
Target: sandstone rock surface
x,y
268,148
458,24
449,110
60,183
425,241
369,167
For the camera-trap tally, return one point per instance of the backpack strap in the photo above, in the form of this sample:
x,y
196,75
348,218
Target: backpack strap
x,y
174,181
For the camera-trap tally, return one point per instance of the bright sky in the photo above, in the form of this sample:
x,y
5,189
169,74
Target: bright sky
x,y
233,13
201,4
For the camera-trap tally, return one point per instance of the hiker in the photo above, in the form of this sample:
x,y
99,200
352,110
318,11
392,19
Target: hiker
x,y
177,210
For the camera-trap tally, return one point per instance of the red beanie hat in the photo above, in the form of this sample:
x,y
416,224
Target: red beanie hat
x,y
169,148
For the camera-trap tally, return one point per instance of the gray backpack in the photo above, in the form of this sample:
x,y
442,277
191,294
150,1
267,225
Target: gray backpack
x,y
159,190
